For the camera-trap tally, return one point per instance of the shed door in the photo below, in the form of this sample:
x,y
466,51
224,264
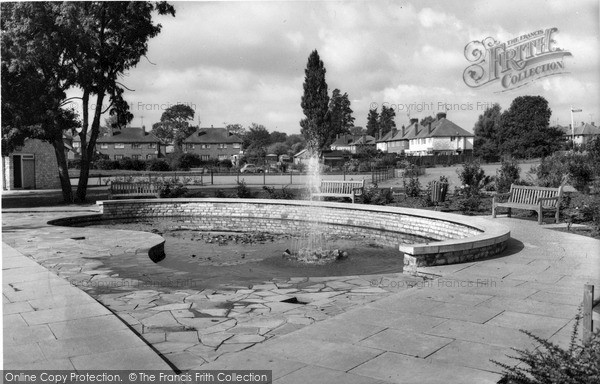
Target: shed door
x,y
24,171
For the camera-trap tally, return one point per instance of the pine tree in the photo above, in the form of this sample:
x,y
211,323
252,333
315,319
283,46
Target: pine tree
x,y
315,105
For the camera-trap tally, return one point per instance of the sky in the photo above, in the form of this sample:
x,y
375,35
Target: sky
x,y
244,62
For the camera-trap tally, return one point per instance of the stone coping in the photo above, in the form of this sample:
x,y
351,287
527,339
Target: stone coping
x,y
490,238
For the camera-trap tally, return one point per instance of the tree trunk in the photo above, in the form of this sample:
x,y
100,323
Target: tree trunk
x,y
63,170
88,148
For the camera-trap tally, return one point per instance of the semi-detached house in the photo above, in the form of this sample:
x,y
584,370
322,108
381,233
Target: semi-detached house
x,y
214,143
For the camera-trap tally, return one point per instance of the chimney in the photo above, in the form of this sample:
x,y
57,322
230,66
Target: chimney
x,y
416,129
403,130
394,131
413,121
429,128
582,123
211,126
441,115
593,124
379,134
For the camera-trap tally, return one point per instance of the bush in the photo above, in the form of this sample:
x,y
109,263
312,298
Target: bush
x,y
105,164
173,191
509,173
412,187
284,194
188,160
551,364
158,165
583,209
74,164
225,163
242,191
576,169
473,179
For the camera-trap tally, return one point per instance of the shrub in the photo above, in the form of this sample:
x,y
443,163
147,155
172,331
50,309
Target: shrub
x,y
105,164
576,169
173,191
188,160
509,173
284,194
74,164
473,178
412,187
551,364
158,165
242,191
583,209
225,163
220,194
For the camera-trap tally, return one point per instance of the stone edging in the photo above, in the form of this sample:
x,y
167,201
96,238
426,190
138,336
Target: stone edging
x,y
454,238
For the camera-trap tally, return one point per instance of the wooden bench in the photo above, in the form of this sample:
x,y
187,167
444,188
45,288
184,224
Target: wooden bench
x,y
531,198
118,189
340,188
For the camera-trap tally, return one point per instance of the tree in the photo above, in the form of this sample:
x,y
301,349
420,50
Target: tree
x,y
358,131
35,75
236,129
426,120
106,39
174,126
486,144
341,115
83,45
278,137
373,122
278,149
257,137
386,120
315,105
524,129
295,138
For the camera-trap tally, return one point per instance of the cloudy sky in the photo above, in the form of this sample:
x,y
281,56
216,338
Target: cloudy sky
x,y
243,62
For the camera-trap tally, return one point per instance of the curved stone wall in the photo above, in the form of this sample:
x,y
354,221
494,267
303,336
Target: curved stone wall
x,y
441,238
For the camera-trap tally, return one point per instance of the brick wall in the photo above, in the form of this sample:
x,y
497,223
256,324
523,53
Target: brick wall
x,y
46,170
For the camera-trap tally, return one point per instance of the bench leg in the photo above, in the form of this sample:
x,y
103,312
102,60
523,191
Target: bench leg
x,y
540,216
557,216
493,211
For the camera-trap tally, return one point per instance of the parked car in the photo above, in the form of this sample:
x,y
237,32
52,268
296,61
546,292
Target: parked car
x,y
251,168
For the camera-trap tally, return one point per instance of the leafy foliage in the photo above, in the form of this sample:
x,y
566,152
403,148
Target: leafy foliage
x,y
158,165
412,187
386,121
284,194
509,173
486,131
551,364
524,129
174,126
573,168
242,190
372,122
341,119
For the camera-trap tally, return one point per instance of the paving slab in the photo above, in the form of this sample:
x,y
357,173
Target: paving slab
x,y
407,343
397,368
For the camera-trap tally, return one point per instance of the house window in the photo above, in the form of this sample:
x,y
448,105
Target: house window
x,y
118,157
222,146
135,145
452,138
205,146
136,157
103,146
237,145
223,157
76,144
152,145
204,157
119,146
148,157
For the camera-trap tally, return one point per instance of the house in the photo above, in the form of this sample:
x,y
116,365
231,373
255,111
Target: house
x,y
33,166
397,141
350,143
441,137
582,134
117,144
214,143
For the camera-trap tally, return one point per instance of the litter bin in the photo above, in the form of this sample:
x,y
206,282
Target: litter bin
x,y
438,192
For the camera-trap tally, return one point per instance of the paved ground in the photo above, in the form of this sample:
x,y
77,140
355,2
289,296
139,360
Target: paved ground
x,y
371,329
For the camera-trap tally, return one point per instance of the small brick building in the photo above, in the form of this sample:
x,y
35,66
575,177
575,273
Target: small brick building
x,y
32,166
214,143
